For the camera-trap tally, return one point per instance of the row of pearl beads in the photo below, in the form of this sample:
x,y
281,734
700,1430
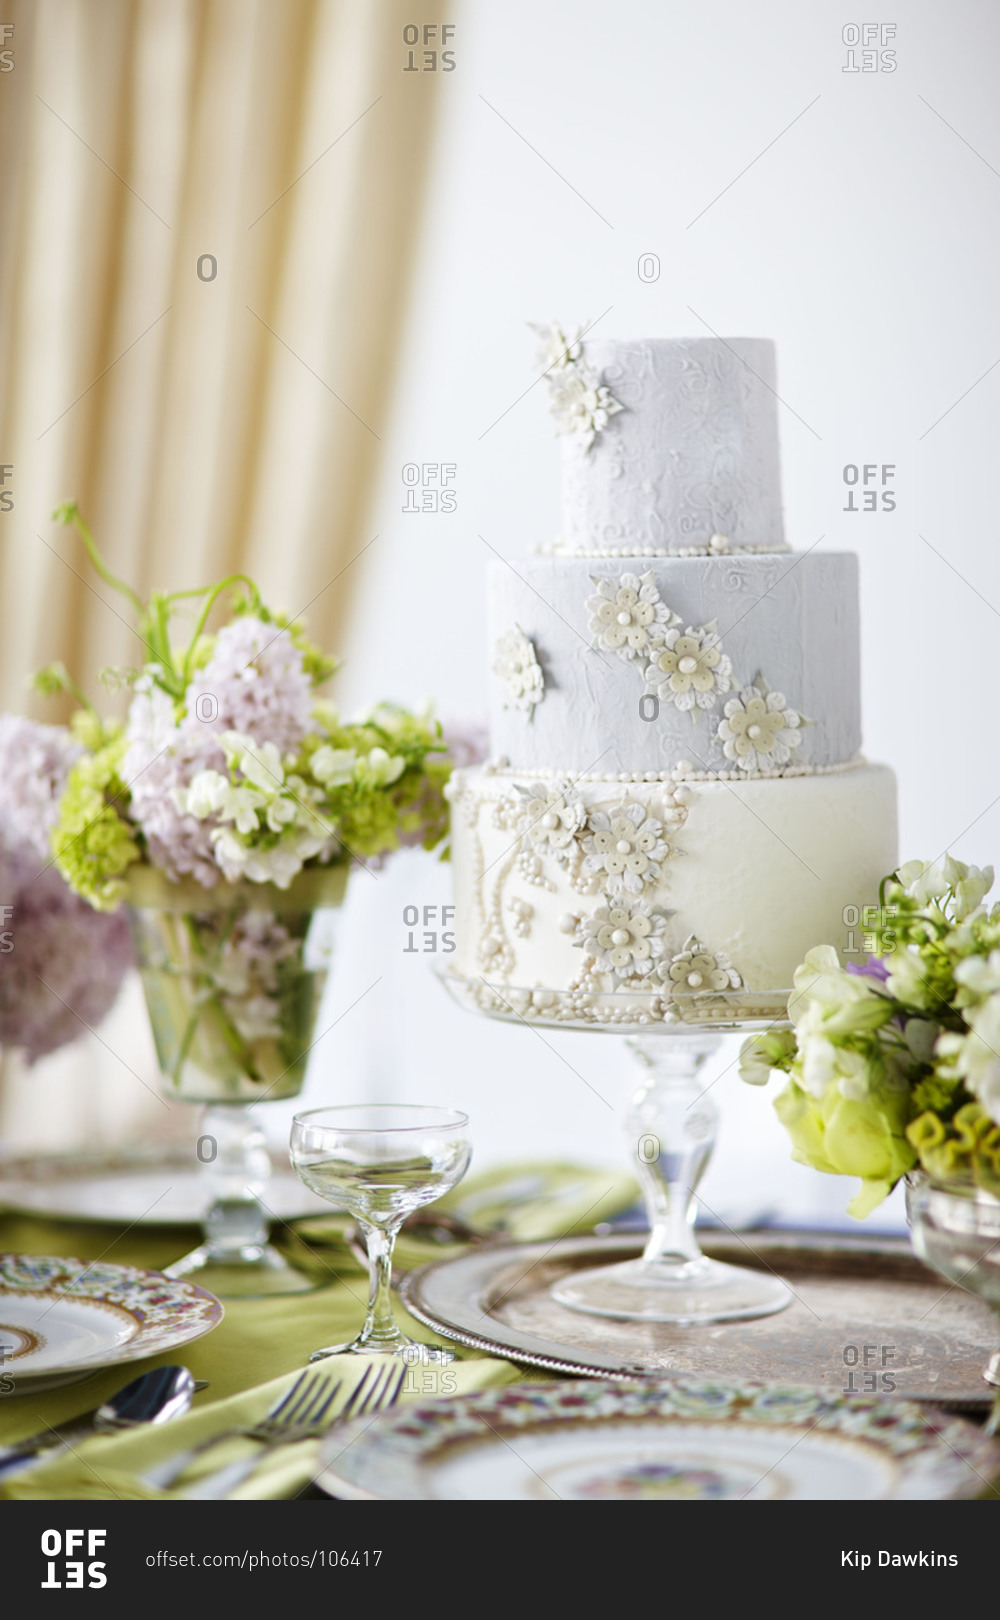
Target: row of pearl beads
x,y
683,771
710,550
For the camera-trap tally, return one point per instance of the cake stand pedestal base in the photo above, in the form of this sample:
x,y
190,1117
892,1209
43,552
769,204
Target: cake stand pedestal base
x,y
671,1125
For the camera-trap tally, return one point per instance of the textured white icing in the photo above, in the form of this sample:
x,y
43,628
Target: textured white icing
x,y
692,454
759,872
792,619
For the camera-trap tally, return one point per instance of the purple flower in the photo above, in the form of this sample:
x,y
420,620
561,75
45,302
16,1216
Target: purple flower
x,y
253,683
161,758
61,962
874,968
35,761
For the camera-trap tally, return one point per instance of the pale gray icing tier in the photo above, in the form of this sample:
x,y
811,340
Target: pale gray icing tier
x,y
791,619
692,454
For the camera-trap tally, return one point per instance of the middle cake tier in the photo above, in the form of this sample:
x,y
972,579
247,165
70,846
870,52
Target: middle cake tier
x,y
733,666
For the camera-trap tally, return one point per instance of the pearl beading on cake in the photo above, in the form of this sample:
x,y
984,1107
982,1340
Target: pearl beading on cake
x,y
660,551
589,1003
683,771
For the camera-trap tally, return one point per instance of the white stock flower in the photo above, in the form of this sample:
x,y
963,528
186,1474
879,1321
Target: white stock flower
x,y
205,797
385,768
333,767
975,1057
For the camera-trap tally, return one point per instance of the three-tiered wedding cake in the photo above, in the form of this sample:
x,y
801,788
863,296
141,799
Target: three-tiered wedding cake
x,y
676,804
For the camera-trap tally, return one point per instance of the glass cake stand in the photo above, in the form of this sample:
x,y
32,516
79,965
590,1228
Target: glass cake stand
x,y
670,1124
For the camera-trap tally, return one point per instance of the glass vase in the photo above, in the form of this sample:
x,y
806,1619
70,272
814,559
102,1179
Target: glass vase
x,y
233,978
956,1231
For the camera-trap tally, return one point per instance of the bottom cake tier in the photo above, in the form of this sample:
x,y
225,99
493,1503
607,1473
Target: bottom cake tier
x,y
655,892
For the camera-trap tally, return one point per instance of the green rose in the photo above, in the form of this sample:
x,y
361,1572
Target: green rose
x,y
847,1137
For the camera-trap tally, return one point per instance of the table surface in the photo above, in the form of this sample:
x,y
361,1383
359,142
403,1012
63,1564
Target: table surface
x,y
258,1341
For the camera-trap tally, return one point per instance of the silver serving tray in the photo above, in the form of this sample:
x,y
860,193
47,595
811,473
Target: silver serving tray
x,y
925,1341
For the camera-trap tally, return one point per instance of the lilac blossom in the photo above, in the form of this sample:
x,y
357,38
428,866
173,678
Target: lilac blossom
x,y
61,962
254,683
35,761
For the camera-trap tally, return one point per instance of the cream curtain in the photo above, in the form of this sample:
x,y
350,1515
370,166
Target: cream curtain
x,y
210,215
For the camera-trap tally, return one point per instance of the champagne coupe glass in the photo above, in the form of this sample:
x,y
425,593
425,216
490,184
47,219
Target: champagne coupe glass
x,y
381,1161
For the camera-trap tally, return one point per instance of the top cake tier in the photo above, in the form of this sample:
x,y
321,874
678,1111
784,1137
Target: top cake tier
x,y
688,465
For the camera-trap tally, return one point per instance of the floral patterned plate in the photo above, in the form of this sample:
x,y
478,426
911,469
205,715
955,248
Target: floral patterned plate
x,y
61,1319
659,1441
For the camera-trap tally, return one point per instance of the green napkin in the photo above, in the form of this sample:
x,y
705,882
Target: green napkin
x,y
111,1466
248,1357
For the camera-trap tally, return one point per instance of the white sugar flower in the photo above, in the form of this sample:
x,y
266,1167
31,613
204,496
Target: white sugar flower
x,y
689,670
626,846
581,404
624,937
550,818
517,665
628,617
759,730
695,969
556,348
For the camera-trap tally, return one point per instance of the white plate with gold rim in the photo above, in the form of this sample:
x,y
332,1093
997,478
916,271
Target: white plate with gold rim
x,y
659,1440
61,1319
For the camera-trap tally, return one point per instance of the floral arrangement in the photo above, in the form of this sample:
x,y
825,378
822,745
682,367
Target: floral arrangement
x,y
895,1063
230,766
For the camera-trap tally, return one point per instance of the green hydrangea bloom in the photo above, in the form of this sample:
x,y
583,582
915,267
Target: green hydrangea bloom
x,y
93,844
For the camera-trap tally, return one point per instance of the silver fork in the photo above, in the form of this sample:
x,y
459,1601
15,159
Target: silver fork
x,y
374,1392
295,1408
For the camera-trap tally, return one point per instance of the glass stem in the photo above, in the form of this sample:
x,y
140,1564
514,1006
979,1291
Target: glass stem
x,y
234,1152
671,1125
380,1327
